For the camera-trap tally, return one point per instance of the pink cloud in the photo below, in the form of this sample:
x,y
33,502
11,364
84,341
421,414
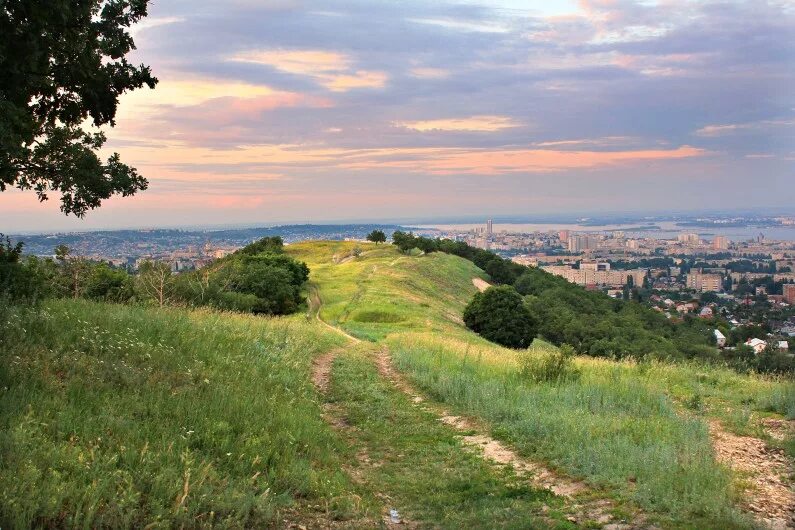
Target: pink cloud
x,y
493,162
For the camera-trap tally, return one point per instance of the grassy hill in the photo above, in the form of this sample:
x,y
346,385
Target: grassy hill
x,y
383,291
123,416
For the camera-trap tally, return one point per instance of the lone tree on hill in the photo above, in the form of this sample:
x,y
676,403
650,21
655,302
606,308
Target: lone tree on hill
x,y
62,62
376,236
500,315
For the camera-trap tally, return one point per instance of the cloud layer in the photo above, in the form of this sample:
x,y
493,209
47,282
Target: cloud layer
x,y
270,110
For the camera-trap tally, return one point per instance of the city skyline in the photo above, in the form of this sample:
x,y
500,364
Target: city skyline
x,y
299,112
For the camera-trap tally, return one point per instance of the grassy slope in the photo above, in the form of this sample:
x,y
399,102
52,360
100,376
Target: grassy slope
x,y
383,291
631,428
119,416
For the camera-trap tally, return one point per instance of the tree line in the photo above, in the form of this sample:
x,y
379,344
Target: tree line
x,y
259,278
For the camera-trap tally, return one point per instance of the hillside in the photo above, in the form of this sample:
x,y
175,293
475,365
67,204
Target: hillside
x,y
639,433
127,416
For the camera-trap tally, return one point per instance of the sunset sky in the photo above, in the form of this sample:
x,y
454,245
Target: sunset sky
x,y
299,111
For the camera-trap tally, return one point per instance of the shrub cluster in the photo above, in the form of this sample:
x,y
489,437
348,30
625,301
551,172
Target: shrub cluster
x,y
499,314
258,278
550,366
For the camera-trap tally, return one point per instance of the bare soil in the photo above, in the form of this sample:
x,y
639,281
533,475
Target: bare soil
x,y
767,473
779,429
321,370
482,285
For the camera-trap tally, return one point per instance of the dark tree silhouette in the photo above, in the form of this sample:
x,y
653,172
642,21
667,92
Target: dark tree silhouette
x,y
376,236
62,62
500,315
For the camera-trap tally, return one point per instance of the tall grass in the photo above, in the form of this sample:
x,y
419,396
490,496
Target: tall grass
x,y
606,426
119,416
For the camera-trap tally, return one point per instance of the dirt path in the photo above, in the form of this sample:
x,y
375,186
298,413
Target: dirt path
x,y
315,305
321,370
475,436
321,378
770,496
481,284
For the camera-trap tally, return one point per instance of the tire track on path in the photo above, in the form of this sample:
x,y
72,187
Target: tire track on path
x,y
583,509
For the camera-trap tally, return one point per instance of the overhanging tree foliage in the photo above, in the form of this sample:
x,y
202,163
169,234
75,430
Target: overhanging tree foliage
x,y
63,62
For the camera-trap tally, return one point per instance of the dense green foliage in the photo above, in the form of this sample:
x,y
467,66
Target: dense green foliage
x,y
376,236
259,278
500,315
591,322
20,279
63,62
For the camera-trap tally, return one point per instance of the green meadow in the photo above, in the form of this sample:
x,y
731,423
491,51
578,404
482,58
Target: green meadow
x,y
116,416
125,416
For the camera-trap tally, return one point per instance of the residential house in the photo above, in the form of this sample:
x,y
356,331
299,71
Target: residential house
x,y
758,345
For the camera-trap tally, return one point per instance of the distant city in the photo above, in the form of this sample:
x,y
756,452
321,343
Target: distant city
x,y
750,281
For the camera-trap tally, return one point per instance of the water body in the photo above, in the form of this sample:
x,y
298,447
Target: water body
x,y
666,230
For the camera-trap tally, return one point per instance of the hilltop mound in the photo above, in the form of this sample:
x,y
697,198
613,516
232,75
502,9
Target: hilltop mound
x,y
372,290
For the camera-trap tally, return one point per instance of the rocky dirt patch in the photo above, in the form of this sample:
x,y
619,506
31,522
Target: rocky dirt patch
x,y
767,471
779,429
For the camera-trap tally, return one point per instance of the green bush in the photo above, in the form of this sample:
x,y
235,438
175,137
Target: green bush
x,y
23,279
499,314
258,278
551,366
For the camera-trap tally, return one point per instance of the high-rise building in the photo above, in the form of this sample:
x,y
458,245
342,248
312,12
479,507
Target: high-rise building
x,y
688,239
563,235
789,293
705,282
578,243
489,228
720,243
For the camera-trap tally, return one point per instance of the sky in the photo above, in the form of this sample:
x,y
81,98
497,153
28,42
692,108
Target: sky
x,y
299,111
